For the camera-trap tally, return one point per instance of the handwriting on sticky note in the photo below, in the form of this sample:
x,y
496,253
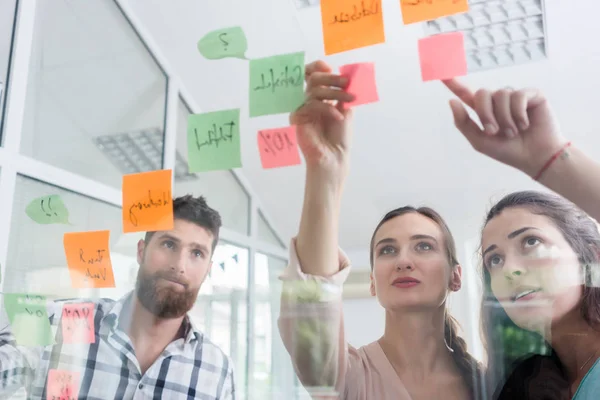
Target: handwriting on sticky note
x,y
351,24
63,385
222,43
48,210
214,141
147,201
28,316
427,10
78,323
362,83
443,56
276,84
278,147
88,259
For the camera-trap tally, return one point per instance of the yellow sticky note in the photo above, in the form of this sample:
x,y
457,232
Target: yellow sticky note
x,y
427,10
147,202
351,24
88,258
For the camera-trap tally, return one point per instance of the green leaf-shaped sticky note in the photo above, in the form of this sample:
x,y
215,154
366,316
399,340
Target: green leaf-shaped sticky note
x,y
223,43
48,210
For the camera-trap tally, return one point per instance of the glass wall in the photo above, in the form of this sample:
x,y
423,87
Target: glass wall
x,y
274,376
96,97
219,187
96,108
7,19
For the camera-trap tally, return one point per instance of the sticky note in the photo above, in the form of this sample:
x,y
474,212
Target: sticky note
x,y
222,43
351,24
28,317
278,147
214,141
443,56
362,83
276,84
88,259
48,210
147,202
63,384
78,323
427,10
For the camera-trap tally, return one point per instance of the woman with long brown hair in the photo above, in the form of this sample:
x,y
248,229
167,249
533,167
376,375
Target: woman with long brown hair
x,y
540,251
413,270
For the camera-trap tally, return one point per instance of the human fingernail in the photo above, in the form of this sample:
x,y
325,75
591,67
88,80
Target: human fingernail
x,y
490,129
509,132
523,125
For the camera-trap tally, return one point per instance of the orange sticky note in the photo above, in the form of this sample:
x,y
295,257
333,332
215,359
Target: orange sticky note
x,y
78,323
351,24
443,56
278,147
63,384
147,202
362,83
88,258
427,10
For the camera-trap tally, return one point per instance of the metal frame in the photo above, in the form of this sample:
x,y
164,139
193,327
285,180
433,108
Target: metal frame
x,y
12,163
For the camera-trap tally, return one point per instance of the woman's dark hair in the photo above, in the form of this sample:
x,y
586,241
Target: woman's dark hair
x,y
580,232
469,367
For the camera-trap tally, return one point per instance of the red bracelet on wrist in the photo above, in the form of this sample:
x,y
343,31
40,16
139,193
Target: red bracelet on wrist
x,y
551,160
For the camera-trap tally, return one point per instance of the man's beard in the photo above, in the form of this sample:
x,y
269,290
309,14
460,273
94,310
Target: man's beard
x,y
164,302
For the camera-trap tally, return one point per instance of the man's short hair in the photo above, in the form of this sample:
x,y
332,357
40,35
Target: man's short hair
x,y
195,210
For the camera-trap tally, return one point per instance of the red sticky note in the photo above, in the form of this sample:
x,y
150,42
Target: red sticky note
x,y
78,323
362,82
443,56
63,384
88,259
278,147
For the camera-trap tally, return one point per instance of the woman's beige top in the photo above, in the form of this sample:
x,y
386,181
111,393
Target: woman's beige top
x,y
312,329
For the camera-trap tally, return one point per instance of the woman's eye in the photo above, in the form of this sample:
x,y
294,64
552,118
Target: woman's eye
x,y
387,250
532,241
494,261
424,246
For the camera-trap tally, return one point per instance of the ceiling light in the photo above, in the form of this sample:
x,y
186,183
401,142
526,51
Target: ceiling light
x,y
140,151
498,33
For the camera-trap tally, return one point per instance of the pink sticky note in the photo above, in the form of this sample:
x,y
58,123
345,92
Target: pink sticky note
x,y
62,384
443,56
78,323
278,147
362,83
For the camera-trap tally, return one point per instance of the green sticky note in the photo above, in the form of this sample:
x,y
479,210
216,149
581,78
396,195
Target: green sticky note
x,y
28,319
48,210
222,43
276,84
214,141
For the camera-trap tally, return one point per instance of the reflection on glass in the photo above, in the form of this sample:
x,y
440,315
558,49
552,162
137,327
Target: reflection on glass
x,y
36,257
96,97
274,376
219,187
7,17
266,234
221,309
